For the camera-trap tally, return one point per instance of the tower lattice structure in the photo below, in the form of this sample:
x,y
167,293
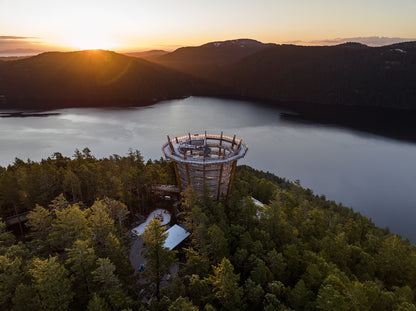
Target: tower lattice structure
x,y
205,160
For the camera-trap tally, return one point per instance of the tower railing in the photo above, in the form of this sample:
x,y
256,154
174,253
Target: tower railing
x,y
209,164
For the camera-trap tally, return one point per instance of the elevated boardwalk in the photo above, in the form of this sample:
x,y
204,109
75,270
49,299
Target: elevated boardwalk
x,y
165,188
13,220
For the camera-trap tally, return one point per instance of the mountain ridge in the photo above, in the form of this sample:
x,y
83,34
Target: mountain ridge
x,y
89,78
348,74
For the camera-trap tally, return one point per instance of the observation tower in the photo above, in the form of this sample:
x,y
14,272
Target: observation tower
x,y
205,159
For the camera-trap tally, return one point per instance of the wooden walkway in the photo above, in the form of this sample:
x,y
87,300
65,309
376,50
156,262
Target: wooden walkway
x,y
13,220
165,188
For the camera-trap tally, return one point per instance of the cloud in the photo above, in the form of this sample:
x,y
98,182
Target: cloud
x,y
370,41
19,45
16,38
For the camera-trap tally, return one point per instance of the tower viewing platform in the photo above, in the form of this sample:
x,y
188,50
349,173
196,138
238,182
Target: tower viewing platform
x,y
205,159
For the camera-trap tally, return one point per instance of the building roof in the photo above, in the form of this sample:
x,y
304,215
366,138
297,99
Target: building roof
x,y
161,214
257,202
176,235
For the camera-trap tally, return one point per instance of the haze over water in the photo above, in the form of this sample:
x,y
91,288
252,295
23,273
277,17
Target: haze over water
x,y
372,174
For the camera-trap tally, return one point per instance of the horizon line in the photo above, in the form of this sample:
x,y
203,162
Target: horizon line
x,y
373,41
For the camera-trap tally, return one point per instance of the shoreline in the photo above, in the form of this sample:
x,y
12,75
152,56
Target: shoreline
x,y
389,122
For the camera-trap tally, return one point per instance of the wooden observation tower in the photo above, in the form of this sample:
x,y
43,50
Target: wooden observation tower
x,y
205,159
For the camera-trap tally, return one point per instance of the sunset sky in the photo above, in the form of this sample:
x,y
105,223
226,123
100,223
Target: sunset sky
x,y
166,24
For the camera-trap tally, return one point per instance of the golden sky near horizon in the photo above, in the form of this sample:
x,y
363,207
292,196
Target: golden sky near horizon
x,y
164,24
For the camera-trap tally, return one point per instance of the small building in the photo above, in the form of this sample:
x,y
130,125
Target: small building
x,y
161,214
176,235
257,202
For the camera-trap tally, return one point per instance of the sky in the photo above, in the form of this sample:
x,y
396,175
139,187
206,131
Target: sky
x,y
166,24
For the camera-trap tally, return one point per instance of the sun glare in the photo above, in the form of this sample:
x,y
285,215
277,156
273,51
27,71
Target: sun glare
x,y
89,38
90,43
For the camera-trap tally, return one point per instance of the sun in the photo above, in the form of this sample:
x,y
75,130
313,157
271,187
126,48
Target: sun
x,y
89,39
91,43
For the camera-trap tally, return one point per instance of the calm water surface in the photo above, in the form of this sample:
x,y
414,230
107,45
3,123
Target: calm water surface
x,y
374,175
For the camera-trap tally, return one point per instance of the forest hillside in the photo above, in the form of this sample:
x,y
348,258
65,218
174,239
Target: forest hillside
x,y
297,77
297,251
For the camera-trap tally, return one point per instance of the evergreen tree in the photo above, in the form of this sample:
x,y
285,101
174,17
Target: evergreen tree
x,y
108,284
254,294
6,238
26,299
40,224
116,210
58,204
195,263
100,223
225,285
159,259
217,246
70,224
81,260
11,275
50,280
300,297
97,304
182,304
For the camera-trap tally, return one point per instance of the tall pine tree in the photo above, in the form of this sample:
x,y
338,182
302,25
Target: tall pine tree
x,y
159,258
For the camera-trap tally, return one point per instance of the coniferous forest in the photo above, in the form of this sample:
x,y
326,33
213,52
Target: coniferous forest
x,y
297,252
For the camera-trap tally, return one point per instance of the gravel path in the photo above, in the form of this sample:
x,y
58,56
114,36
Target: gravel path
x,y
135,256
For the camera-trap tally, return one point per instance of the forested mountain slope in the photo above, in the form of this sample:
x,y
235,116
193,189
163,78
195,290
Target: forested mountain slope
x,y
205,59
349,74
89,78
321,77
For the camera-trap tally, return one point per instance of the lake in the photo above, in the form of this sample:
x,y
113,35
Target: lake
x,y
374,175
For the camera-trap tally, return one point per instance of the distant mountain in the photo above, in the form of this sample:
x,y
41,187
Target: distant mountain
x,y
148,55
370,41
302,77
348,74
9,58
19,52
211,55
90,78
353,45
